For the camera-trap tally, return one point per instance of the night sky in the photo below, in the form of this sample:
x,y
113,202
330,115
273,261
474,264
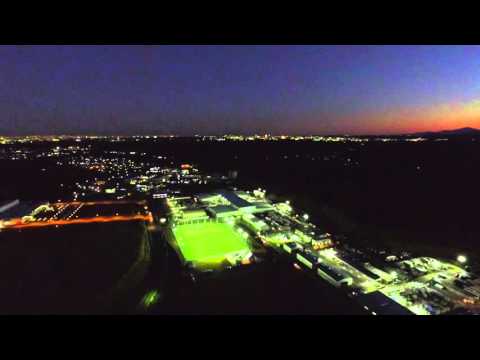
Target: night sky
x,y
187,90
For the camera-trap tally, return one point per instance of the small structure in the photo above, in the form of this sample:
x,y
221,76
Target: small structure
x,y
223,211
253,223
331,275
193,215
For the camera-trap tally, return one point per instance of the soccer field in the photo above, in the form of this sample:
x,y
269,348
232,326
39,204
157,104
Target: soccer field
x,y
208,242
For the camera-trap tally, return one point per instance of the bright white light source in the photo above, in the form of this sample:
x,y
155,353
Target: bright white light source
x,y
462,259
305,217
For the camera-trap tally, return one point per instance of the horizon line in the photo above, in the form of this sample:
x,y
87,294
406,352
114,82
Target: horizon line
x,y
232,134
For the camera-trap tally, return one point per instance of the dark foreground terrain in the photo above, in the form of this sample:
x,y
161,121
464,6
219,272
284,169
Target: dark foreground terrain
x,y
69,269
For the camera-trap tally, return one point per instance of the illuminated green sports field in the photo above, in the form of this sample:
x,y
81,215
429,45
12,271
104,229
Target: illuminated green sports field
x,y
208,243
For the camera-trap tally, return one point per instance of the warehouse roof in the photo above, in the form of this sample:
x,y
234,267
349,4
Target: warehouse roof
x,y
383,305
236,200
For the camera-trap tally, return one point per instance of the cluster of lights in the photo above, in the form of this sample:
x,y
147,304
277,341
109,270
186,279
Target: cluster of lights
x,y
317,138
61,208
75,212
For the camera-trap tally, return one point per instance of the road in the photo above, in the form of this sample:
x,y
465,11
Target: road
x,y
19,224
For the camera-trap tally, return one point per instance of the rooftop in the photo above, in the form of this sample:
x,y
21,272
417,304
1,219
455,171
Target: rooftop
x,y
383,305
234,198
219,209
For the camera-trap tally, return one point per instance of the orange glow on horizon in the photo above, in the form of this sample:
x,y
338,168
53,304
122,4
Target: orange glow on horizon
x,y
437,117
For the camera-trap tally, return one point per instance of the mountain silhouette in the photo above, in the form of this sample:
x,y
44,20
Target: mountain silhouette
x,y
455,132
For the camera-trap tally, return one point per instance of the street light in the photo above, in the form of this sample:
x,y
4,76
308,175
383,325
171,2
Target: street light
x,y
462,259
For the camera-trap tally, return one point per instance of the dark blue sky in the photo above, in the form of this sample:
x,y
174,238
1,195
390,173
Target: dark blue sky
x,y
190,90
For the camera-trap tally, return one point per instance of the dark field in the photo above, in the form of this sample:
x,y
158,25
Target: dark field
x,y
37,179
68,269
107,210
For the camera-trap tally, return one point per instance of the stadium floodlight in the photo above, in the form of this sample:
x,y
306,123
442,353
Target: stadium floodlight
x,y
462,259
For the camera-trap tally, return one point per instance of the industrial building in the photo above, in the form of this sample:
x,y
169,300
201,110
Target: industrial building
x,y
222,227
333,276
241,202
380,304
223,211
